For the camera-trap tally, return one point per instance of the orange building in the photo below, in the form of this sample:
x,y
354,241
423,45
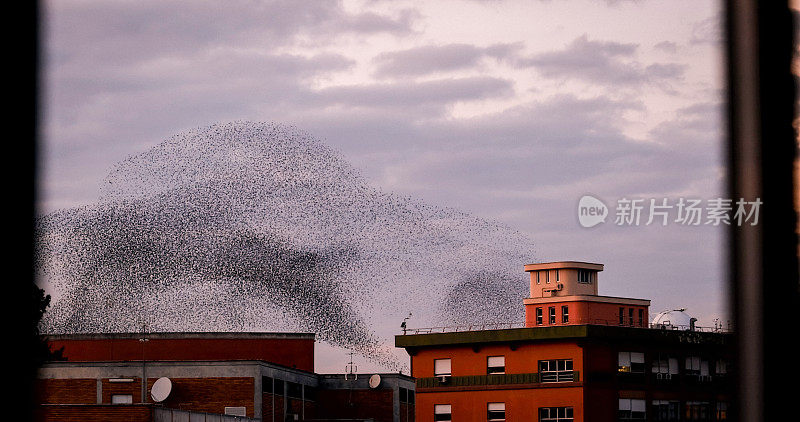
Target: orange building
x,y
579,357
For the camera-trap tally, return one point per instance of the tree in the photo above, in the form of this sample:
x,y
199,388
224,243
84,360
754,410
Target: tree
x,y
41,350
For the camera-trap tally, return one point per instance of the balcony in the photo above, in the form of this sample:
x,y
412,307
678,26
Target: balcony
x,y
498,379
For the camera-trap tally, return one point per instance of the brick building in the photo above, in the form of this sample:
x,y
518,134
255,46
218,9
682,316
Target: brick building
x,y
578,356
259,376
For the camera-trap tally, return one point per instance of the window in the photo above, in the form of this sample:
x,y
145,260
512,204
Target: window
x,y
666,410
621,316
121,399
294,389
585,276
641,317
537,277
236,411
279,387
631,362
266,385
630,316
539,316
564,314
557,370
552,313
441,413
722,411
441,367
697,411
555,414
309,393
697,368
631,410
496,411
665,367
496,365
547,277
556,275
721,367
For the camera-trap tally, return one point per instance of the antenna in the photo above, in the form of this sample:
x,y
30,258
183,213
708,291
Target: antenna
x,y
350,369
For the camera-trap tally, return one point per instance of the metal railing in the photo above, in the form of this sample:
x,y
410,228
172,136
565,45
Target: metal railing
x,y
611,323
163,414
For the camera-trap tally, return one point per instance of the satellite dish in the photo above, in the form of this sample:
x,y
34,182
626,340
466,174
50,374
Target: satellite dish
x,y
161,389
374,381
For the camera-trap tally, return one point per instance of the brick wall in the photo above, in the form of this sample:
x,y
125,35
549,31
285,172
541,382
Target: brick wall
x,y
72,391
352,404
210,395
133,388
96,412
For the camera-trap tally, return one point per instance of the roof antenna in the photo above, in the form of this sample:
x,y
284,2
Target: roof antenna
x,y
350,369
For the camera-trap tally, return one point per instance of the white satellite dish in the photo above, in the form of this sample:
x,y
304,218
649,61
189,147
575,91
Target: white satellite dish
x,y
374,381
161,389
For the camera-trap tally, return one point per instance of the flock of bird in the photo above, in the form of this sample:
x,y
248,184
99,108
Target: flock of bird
x,y
261,227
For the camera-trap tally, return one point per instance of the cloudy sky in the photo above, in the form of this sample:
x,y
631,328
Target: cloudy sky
x,y
510,110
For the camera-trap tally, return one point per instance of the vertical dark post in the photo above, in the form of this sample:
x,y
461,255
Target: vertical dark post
x,y
763,258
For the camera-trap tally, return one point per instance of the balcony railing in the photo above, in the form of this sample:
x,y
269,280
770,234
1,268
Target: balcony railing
x,y
595,321
484,380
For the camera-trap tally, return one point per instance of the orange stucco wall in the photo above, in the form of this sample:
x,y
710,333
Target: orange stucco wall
x,y
521,404
525,359
587,312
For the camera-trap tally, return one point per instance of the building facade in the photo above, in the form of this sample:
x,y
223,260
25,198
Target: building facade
x,y
253,376
579,357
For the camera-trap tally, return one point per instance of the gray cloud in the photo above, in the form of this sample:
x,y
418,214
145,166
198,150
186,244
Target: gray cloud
x,y
438,58
409,94
603,62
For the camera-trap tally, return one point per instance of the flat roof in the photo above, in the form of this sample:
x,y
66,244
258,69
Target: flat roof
x,y
565,332
563,264
182,335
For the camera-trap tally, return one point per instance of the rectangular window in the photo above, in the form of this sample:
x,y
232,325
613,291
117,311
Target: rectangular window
x,y
441,367
552,313
630,316
721,367
309,393
697,368
539,320
697,411
403,395
441,413
585,276
496,412
496,365
121,399
630,362
556,370
266,385
547,277
666,410
631,410
556,275
665,367
555,414
722,411
621,316
279,387
565,314
641,317
537,277
294,389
